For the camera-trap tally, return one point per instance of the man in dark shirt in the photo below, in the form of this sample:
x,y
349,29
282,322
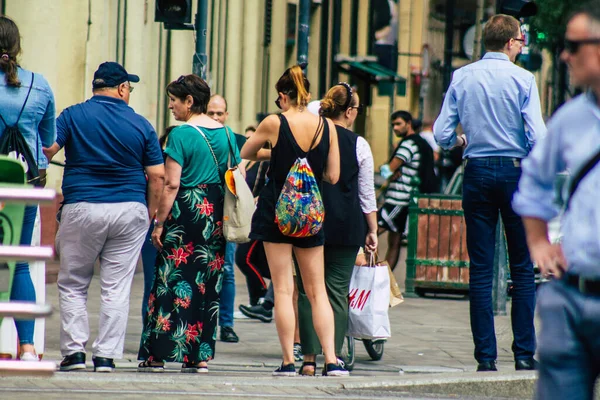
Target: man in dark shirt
x,y
108,204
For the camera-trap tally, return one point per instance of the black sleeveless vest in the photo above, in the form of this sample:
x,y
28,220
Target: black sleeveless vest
x,y
345,223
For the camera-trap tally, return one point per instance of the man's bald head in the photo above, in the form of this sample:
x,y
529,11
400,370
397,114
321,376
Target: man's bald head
x,y
217,108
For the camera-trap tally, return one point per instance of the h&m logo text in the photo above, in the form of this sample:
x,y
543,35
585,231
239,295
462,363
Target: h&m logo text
x,y
358,298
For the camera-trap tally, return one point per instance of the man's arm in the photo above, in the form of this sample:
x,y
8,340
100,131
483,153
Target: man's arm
x,y
62,135
445,125
532,115
156,183
534,201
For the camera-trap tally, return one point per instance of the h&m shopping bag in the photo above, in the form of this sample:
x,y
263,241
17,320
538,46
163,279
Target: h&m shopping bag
x,y
369,301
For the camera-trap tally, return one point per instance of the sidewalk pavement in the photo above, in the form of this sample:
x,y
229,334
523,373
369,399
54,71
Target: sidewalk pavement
x,y
431,342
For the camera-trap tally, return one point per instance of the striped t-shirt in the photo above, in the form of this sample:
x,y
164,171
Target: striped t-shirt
x,y
398,192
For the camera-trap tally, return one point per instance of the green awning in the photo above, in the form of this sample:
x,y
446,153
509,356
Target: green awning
x,y
375,74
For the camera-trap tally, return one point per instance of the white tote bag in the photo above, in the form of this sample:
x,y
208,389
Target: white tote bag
x,y
369,301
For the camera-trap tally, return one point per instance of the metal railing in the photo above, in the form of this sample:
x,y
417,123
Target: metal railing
x,y
25,310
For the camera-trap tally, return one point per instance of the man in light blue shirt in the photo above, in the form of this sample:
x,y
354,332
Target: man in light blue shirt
x,y
498,106
569,308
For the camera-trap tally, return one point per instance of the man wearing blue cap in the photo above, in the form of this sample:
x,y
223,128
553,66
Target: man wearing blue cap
x,y
107,208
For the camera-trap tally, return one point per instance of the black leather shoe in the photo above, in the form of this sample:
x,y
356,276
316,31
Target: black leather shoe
x,y
529,364
228,335
103,364
73,362
486,366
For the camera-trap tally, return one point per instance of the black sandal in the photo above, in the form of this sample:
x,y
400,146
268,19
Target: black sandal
x,y
151,366
195,368
308,364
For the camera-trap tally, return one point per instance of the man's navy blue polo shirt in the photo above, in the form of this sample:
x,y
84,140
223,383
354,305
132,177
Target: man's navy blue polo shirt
x,y
107,145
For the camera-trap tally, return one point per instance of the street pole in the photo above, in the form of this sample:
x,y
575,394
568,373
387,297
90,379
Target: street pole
x,y
449,43
199,65
303,28
478,23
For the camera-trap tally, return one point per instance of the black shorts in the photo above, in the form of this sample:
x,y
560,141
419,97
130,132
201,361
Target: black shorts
x,y
392,218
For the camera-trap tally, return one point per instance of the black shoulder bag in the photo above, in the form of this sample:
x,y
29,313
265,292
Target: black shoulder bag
x,y
580,175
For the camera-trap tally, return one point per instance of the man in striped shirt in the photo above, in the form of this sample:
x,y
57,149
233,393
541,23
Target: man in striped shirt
x,y
412,167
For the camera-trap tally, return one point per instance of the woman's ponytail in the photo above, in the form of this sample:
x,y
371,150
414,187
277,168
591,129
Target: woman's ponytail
x,y
298,78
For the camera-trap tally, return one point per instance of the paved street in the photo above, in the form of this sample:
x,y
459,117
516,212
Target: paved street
x,y
431,341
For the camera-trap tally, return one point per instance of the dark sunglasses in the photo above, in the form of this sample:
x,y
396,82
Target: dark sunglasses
x,y
278,102
519,40
572,46
359,109
181,80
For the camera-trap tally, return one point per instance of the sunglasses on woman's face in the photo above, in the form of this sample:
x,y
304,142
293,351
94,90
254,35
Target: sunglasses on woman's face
x,y
359,108
278,102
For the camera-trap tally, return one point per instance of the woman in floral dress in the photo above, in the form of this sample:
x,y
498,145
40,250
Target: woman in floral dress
x,y
183,305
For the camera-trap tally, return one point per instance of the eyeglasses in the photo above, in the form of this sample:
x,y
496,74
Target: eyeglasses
x,y
359,108
278,102
519,40
572,46
130,88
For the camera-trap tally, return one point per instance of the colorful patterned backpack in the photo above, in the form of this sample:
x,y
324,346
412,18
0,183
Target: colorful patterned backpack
x,y
299,210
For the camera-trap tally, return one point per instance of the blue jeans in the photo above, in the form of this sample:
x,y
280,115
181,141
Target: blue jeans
x,y
569,347
148,260
22,287
488,188
227,297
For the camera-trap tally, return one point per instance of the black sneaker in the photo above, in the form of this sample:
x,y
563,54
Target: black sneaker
x,y
335,369
73,362
285,370
102,364
257,312
228,335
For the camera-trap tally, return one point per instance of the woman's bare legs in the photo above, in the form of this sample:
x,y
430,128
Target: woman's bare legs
x,y
279,257
312,269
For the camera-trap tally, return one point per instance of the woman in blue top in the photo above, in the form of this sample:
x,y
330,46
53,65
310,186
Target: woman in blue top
x,y
188,232
26,100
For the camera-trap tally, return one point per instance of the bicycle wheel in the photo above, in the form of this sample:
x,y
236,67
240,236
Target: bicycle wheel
x,y
374,348
348,353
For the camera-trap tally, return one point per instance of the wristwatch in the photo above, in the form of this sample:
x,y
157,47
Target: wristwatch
x,y
158,223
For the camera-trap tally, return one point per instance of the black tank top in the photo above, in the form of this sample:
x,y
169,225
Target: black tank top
x,y
285,153
345,223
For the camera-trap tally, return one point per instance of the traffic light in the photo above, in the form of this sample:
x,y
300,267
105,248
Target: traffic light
x,y
517,8
173,11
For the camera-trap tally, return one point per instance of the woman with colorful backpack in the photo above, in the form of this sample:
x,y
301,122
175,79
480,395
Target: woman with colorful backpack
x,y
351,223
290,212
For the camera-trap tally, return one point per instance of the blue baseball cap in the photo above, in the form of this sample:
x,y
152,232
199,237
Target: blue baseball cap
x,y
111,74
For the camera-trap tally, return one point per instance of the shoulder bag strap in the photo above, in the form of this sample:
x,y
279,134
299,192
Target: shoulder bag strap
x,y
581,174
210,148
231,153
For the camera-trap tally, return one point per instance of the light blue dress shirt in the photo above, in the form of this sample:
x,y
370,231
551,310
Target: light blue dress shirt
x,y
498,106
38,122
573,139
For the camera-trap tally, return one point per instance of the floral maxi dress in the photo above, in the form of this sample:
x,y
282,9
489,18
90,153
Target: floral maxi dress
x,y
184,301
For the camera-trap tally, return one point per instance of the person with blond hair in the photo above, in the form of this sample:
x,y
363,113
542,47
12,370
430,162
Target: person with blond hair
x,y
351,222
295,134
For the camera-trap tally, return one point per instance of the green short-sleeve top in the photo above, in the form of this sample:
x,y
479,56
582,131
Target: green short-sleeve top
x,y
187,147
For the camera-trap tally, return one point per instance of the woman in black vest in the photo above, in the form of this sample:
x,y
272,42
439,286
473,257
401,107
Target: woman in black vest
x,y
350,221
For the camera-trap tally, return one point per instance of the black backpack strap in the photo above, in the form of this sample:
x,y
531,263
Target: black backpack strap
x,y
22,107
581,174
320,127
26,98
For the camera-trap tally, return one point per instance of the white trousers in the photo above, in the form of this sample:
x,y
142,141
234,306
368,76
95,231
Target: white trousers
x,y
114,234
